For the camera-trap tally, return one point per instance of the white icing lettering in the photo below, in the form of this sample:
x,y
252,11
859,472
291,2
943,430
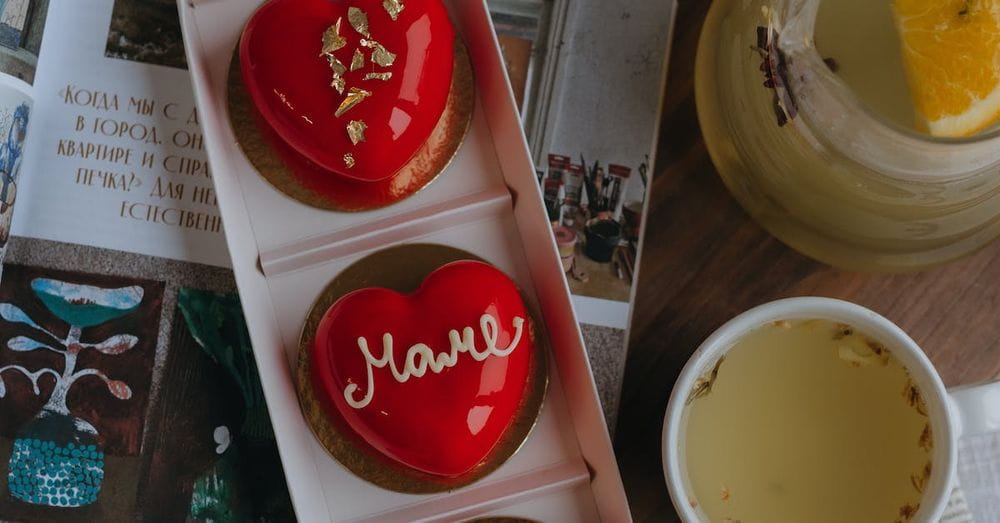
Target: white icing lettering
x,y
420,358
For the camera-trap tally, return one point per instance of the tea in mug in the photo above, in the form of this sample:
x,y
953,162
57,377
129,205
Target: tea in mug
x,y
806,420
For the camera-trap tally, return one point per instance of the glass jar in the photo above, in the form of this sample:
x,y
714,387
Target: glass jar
x,y
818,169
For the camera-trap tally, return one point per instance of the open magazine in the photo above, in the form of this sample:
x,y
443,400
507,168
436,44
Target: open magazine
x,y
128,389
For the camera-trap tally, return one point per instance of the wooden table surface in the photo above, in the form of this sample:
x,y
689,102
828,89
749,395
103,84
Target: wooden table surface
x,y
705,261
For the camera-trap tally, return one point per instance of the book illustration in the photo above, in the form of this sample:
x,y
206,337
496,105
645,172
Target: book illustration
x,y
77,353
15,112
15,122
247,468
21,26
209,454
58,459
217,325
147,31
171,399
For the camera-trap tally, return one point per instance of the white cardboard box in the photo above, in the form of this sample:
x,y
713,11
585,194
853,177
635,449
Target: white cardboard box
x,y
486,202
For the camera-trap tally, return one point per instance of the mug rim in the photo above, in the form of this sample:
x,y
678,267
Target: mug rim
x,y
922,371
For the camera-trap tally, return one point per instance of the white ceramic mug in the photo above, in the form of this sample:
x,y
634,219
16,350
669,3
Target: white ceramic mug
x,y
962,411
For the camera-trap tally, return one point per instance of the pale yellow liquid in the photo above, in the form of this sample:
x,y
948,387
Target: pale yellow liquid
x,y
861,37
818,199
801,427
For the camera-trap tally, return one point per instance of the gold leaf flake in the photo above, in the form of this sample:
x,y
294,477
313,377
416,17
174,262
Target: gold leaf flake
x,y
353,98
332,41
378,76
358,61
349,160
338,84
336,66
338,73
382,56
393,7
356,130
359,21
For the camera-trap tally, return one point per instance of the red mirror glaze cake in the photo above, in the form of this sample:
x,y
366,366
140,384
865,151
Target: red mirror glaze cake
x,y
432,381
351,87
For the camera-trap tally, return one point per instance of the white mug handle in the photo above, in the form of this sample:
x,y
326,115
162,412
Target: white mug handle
x,y
977,408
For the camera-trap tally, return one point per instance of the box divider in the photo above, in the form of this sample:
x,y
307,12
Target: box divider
x,y
480,499
391,229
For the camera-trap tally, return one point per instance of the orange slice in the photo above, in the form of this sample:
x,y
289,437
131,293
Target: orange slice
x,y
951,51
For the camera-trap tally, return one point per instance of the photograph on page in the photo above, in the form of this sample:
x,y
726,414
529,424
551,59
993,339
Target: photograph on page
x,y
147,31
22,26
592,131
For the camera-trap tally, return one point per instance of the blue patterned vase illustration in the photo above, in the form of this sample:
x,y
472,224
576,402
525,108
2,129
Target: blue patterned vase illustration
x,y
11,151
57,458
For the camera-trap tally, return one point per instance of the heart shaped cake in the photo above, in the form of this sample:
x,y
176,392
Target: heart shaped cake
x,y
428,382
353,88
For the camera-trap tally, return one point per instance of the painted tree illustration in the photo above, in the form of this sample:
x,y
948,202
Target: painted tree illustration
x,y
57,459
